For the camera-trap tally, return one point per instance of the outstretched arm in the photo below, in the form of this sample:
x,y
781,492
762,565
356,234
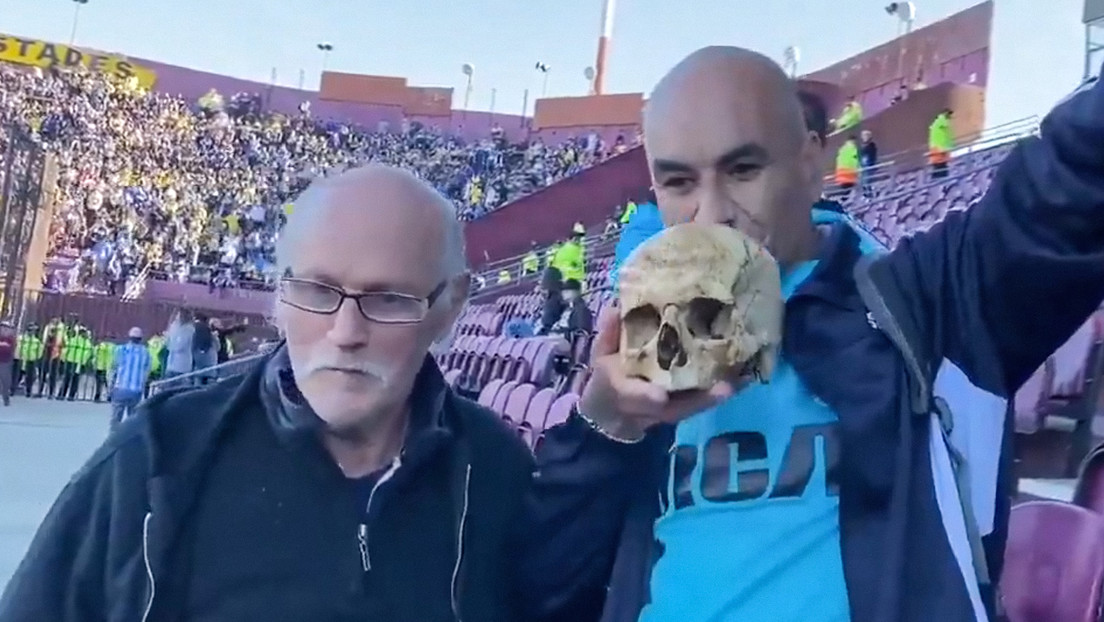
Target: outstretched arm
x,y
1001,285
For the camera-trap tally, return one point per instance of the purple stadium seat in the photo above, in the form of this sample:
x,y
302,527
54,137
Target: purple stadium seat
x,y
1074,386
489,393
525,431
481,373
560,409
524,367
451,377
538,407
515,364
499,403
580,347
467,362
517,404
494,325
543,360
1028,401
577,378
1054,563
500,358
1089,492
1070,361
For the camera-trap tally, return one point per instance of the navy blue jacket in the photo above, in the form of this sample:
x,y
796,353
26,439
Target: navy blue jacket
x,y
994,289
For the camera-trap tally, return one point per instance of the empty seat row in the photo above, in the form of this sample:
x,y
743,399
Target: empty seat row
x,y
1068,386
1054,558
479,320
530,409
473,361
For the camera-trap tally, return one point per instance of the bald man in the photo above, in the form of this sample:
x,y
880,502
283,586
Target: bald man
x,y
829,494
340,479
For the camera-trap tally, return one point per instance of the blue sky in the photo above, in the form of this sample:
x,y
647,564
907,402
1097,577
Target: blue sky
x,y
428,40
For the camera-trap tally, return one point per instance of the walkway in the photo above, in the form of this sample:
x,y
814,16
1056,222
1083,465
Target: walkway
x,y
42,443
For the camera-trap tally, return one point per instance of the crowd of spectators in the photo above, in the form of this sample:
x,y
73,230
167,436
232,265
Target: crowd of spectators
x,y
153,185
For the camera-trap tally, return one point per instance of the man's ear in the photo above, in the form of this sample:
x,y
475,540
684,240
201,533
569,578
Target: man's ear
x,y
458,290
813,161
457,297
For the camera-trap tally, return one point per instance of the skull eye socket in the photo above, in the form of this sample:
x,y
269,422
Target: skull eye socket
x,y
641,324
702,315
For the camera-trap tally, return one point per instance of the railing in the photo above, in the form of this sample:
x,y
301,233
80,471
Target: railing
x,y
229,369
135,288
971,143
978,141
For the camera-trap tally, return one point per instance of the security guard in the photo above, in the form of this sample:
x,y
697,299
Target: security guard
x,y
102,358
29,350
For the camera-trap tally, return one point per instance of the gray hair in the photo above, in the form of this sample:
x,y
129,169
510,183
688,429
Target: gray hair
x,y
309,206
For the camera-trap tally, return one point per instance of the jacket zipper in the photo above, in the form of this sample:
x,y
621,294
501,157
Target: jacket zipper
x,y
149,568
362,529
460,548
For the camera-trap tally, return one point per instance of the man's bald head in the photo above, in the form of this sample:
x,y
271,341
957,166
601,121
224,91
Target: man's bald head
x,y
743,77
726,143
382,195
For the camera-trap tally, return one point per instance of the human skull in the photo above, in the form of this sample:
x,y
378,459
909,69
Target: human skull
x,y
697,302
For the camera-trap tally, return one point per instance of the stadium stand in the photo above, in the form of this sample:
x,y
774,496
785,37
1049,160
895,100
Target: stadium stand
x,y
149,208
153,184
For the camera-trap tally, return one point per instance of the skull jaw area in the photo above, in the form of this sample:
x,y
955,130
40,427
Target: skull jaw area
x,y
676,378
713,361
699,368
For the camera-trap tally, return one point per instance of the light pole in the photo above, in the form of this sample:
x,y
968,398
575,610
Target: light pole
x,y
589,73
541,67
76,19
325,47
905,12
468,70
791,57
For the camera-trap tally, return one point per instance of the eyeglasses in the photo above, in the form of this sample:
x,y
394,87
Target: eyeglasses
x,y
382,307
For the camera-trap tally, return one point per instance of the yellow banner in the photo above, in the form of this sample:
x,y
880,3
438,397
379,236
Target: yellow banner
x,y
50,55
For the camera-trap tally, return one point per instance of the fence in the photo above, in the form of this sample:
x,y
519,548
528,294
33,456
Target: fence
x,y
53,378
229,369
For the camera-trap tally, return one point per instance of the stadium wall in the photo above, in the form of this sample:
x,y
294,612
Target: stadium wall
x,y
591,196
192,84
546,216
955,49
901,131
194,296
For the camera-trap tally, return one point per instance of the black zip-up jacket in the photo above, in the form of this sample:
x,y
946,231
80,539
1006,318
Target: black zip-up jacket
x,y
210,505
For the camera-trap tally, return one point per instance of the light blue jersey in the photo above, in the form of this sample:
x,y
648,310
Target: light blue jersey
x,y
751,529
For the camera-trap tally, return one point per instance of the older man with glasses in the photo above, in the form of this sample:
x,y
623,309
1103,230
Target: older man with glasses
x,y
339,480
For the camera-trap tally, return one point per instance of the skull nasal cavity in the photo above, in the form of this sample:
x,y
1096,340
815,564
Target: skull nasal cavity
x,y
669,349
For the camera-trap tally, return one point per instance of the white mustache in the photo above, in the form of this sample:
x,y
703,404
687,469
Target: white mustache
x,y
368,368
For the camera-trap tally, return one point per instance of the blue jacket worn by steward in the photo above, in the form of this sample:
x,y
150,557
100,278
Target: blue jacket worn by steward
x,y
993,290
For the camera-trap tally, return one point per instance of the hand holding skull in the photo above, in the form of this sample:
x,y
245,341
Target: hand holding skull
x,y
700,316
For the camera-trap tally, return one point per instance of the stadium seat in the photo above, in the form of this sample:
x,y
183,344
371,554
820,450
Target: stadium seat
x,y
498,404
560,409
1067,386
1089,490
1053,563
517,405
451,377
489,393
1028,401
543,359
537,410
